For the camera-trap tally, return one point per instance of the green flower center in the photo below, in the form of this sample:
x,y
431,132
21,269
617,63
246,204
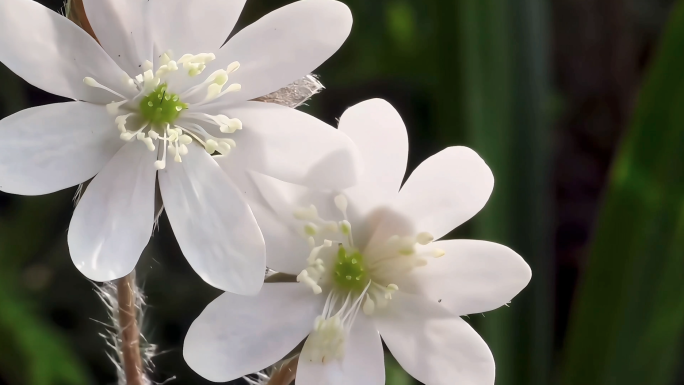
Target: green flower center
x,y
161,107
349,271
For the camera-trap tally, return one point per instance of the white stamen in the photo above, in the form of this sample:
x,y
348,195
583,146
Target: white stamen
x,y
341,203
93,83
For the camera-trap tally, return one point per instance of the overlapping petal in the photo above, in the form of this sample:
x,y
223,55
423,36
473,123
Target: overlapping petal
x,y
54,54
293,146
184,26
283,46
363,362
378,131
213,224
238,335
433,347
122,28
472,276
49,148
113,220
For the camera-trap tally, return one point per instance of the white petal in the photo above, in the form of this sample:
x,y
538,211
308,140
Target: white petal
x,y
184,26
213,224
238,335
377,130
113,221
363,363
472,276
443,192
284,246
49,148
283,46
54,54
435,349
121,27
293,146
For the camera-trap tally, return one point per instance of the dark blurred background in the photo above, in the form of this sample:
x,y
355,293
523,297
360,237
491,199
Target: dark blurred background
x,y
545,91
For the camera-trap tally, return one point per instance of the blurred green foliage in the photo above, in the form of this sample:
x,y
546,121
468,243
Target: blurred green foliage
x,y
628,322
31,351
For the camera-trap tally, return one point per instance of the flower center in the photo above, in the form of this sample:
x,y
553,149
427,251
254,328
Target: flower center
x,y
356,281
161,107
156,116
349,271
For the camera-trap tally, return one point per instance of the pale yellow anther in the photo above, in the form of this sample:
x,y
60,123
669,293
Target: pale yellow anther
x,y
211,146
424,238
232,67
341,203
223,148
165,58
306,213
310,229
229,126
233,88
439,253
90,82
185,139
213,90
147,65
345,227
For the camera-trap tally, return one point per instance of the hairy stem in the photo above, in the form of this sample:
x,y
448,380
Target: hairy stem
x,y
130,334
286,374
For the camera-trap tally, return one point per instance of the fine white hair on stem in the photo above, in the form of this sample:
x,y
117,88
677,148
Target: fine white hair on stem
x,y
108,292
281,373
78,195
295,94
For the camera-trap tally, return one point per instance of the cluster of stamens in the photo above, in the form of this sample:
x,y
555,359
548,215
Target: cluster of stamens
x,y
356,280
155,111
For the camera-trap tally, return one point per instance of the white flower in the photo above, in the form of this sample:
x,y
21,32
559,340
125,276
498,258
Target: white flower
x,y
367,266
162,93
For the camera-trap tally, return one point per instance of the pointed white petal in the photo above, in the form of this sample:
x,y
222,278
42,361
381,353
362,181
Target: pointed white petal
x,y
238,335
284,46
122,28
377,130
293,146
433,348
113,220
52,53
363,363
213,224
49,148
444,191
472,276
184,26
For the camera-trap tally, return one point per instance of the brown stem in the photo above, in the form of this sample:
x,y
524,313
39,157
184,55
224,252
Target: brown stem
x,y
286,374
130,334
77,14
